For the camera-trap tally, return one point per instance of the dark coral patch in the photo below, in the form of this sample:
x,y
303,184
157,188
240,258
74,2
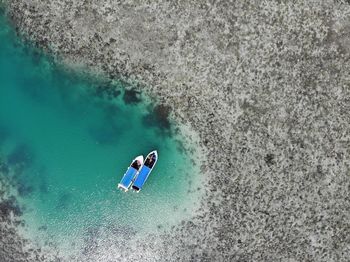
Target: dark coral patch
x,y
107,91
9,206
158,117
24,189
131,96
269,159
4,169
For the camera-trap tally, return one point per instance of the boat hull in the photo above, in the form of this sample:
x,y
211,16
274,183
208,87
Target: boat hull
x,y
129,175
144,174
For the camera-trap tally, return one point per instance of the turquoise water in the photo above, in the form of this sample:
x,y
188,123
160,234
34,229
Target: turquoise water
x,y
69,144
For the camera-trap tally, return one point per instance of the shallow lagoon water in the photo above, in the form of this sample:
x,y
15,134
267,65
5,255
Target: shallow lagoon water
x,y
69,145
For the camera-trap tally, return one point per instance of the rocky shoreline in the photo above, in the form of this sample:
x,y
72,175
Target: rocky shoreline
x,y
266,87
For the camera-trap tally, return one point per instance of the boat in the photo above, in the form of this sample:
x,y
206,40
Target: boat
x,y
131,173
145,171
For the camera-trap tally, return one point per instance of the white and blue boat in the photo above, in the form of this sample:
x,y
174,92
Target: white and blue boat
x,y
145,171
131,173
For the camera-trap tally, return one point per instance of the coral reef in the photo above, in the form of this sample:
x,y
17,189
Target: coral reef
x,y
266,86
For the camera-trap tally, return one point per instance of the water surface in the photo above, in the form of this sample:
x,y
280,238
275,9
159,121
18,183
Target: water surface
x,y
69,141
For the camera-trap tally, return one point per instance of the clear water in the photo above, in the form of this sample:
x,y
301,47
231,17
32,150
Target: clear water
x,y
70,147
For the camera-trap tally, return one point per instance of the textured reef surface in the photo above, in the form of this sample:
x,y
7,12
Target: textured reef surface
x,y
266,86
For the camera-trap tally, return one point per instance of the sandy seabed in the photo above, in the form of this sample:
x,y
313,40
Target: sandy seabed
x,y
264,84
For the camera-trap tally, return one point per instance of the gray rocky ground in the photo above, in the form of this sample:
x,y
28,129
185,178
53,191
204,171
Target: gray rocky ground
x,y
265,84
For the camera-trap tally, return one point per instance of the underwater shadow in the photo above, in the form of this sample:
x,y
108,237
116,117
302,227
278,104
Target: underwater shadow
x,y
22,155
104,135
33,89
4,134
64,201
108,130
